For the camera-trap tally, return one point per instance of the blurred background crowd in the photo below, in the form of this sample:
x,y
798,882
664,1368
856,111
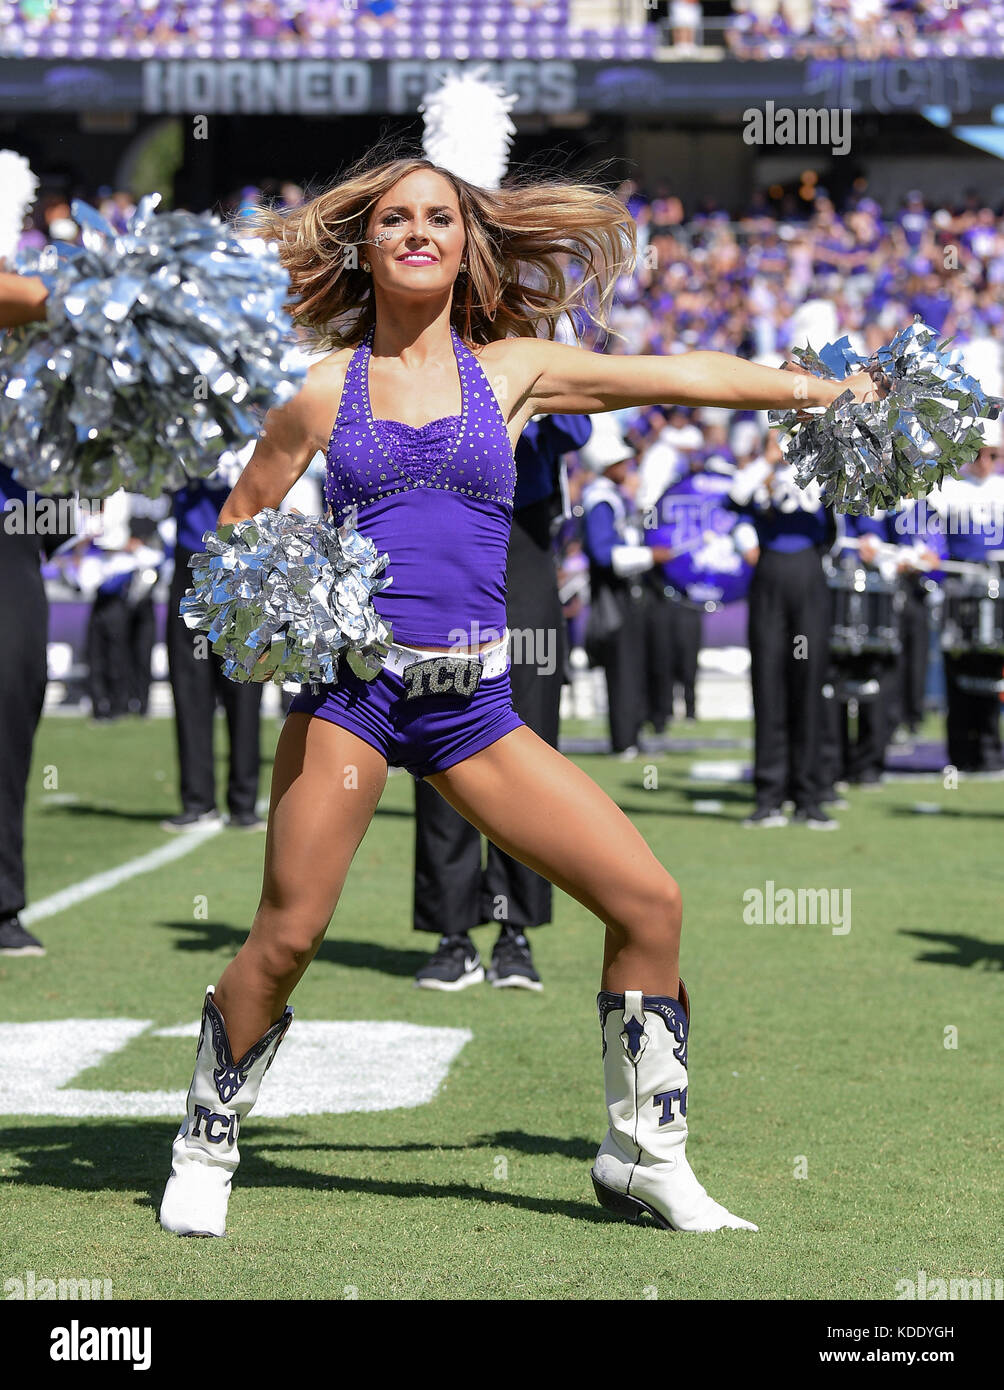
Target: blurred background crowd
x,y
748,29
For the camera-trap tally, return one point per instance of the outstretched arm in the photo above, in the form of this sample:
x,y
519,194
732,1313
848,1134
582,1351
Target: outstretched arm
x,y
22,299
574,380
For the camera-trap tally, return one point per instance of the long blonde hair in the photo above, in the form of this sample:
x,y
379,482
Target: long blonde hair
x,y
521,243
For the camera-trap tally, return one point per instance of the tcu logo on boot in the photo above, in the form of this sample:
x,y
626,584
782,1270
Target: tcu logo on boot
x,y
666,1099
634,1038
205,1124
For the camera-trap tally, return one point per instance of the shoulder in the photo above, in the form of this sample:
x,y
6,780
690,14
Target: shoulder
x,y
328,372
528,355
597,492
314,408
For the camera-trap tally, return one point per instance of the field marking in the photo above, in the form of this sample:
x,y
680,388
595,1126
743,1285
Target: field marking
x,y
323,1068
111,878
718,770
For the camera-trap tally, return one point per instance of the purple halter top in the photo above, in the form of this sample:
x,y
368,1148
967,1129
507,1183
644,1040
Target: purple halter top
x,y
437,498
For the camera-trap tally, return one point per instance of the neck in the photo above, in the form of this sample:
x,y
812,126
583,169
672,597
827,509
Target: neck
x,y
415,333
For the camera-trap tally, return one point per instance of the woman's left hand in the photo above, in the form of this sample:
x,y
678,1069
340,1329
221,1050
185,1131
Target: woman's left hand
x,y
866,386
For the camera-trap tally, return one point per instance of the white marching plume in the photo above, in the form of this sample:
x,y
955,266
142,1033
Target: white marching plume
x,y
468,129
19,187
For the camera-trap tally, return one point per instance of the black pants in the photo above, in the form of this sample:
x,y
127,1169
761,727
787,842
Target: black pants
x,y
672,642
119,647
686,646
915,635
623,658
108,656
856,754
452,892
197,680
789,652
658,647
974,731
140,635
23,630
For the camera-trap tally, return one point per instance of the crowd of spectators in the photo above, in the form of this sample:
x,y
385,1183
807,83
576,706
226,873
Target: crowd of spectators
x,y
706,280
285,21
864,29
756,29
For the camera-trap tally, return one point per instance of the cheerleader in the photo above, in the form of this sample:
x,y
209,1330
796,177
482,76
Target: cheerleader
x,y
435,368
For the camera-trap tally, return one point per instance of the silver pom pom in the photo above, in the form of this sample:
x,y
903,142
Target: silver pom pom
x,y
870,456
159,347
280,596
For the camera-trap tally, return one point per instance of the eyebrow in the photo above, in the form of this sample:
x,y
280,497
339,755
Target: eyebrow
x,y
440,207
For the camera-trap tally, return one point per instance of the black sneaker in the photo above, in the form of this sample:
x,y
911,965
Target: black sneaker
x,y
815,818
192,820
766,818
512,964
246,820
454,964
15,941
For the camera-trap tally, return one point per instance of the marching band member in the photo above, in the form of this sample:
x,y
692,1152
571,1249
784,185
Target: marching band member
x,y
613,539
197,682
24,619
971,512
782,533
857,756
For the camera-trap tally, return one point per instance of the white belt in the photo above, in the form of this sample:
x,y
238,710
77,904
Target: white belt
x,y
494,660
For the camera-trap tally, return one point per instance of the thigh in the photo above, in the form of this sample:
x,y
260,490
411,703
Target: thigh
x,y
326,783
546,812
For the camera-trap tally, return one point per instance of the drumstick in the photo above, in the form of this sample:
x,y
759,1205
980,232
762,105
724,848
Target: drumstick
x,y
955,566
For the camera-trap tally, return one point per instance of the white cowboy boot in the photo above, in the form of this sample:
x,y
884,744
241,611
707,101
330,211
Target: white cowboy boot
x,y
205,1157
642,1163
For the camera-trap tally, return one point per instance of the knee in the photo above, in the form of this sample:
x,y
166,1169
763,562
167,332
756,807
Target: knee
x,y
286,941
666,911
657,912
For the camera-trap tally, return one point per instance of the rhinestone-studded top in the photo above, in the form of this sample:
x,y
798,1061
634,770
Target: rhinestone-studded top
x,y
437,498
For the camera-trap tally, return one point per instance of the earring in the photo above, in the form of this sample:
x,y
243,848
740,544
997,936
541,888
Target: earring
x,y
366,267
463,267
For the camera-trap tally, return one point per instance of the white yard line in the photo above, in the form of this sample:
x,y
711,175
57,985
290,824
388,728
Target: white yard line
x,y
111,878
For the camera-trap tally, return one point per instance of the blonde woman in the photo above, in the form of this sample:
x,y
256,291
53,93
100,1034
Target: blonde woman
x,y
435,297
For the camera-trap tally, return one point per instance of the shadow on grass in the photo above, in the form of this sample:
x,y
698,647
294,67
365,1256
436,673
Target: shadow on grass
x,y
355,955
90,808
502,1142
686,812
964,951
120,1156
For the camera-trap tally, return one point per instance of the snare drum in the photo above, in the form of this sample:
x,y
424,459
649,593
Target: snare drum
x,y
864,614
973,617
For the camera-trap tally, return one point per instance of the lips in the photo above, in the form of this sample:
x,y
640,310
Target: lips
x,y
418,258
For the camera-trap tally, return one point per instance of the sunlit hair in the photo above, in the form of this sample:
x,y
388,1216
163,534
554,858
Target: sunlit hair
x,y
522,242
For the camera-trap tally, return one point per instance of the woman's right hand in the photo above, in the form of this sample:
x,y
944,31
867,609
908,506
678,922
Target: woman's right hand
x,y
22,299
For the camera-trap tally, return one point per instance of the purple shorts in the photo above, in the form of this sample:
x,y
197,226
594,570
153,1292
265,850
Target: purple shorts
x,y
424,735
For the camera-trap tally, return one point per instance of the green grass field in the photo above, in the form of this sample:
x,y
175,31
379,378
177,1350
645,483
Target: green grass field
x,y
811,1052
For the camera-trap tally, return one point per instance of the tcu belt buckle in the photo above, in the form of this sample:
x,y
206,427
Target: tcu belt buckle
x,y
442,675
